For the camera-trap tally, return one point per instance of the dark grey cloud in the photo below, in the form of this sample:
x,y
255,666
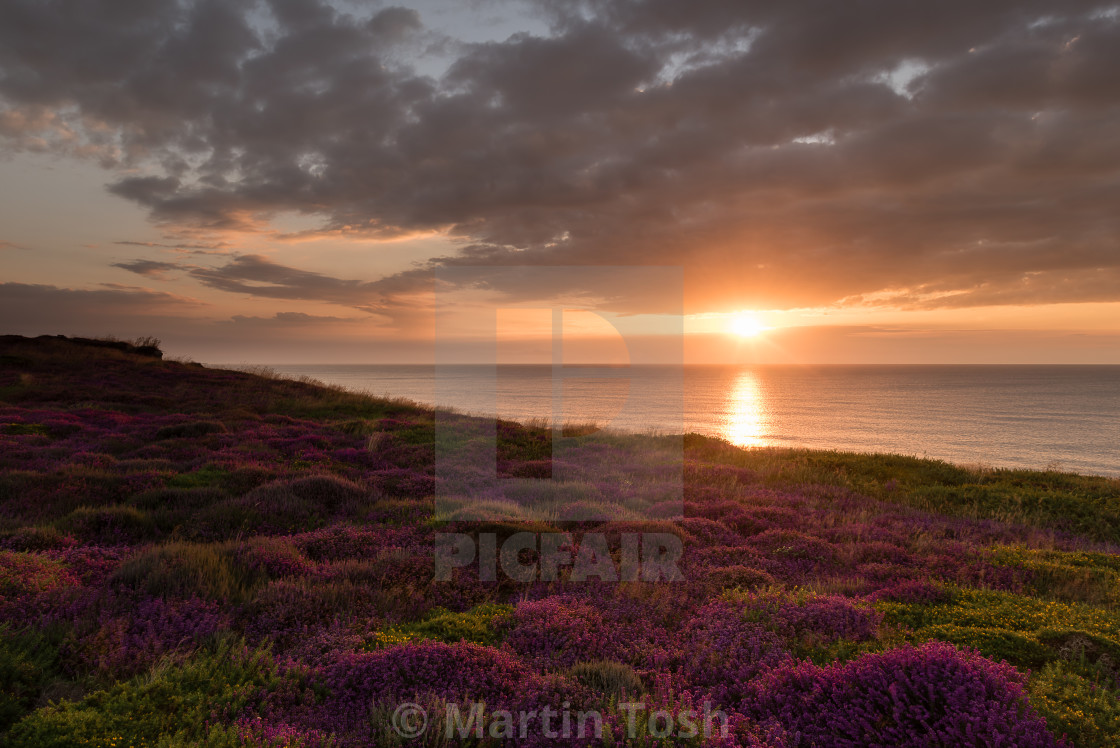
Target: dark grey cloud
x,y
786,153
26,307
260,277
147,268
289,320
254,275
166,245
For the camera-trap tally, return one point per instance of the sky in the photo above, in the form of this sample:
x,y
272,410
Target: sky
x,y
301,181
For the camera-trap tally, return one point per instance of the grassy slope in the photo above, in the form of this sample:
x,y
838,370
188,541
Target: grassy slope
x,y
57,373
1085,505
127,475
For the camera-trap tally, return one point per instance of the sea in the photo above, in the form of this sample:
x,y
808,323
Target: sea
x,y
1022,416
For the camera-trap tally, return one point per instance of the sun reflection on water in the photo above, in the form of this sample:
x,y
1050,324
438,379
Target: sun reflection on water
x,y
748,421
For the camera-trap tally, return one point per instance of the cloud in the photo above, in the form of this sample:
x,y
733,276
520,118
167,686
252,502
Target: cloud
x,y
9,245
290,320
259,277
785,153
147,268
254,275
34,308
204,248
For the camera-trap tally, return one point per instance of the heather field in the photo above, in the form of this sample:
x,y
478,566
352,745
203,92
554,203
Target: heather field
x,y
193,556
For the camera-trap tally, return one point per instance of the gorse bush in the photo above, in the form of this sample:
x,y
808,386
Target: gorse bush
x,y
1004,610
174,701
1024,631
479,625
1084,710
1021,650
1022,556
1069,576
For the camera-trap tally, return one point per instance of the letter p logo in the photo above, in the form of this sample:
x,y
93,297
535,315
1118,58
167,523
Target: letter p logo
x,y
601,363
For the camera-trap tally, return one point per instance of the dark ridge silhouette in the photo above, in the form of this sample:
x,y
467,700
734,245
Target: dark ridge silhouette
x,y
148,347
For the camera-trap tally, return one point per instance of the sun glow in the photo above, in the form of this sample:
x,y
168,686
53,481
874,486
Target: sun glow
x,y
747,421
746,325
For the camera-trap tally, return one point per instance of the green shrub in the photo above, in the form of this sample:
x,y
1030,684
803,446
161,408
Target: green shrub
x,y
218,571
188,570
358,428
478,625
382,713
1025,631
277,508
328,493
608,678
28,661
1074,645
242,735
1021,650
207,476
222,520
171,507
241,480
190,430
1082,504
1013,555
1087,712
1002,610
108,525
171,702
24,429
1069,576
36,539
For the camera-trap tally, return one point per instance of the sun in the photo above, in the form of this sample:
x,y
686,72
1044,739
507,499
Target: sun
x,y
747,325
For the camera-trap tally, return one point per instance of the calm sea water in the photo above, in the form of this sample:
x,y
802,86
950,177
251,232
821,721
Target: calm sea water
x,y
1006,416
